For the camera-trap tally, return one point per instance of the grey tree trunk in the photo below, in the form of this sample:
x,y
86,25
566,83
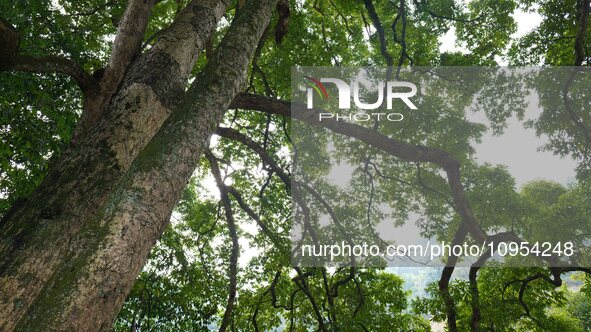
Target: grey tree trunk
x,y
70,254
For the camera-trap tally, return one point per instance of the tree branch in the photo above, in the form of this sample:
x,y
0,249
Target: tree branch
x,y
413,153
272,236
10,61
281,27
375,19
235,135
408,152
9,39
475,320
401,16
583,8
233,271
300,281
126,47
48,65
445,278
473,279
127,44
190,32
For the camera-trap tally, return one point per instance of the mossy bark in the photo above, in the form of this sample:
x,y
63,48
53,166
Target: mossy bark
x,y
70,254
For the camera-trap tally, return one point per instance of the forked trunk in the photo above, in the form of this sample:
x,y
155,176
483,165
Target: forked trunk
x,y
70,254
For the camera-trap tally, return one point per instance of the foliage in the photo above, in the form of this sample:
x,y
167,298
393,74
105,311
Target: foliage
x,y
184,283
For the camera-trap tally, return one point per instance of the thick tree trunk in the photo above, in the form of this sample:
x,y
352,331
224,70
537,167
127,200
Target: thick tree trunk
x,y
70,254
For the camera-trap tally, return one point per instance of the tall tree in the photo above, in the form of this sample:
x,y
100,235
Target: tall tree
x,y
93,165
109,196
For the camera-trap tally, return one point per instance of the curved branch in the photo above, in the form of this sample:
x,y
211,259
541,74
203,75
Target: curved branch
x,y
472,277
414,153
408,152
401,16
445,278
350,276
405,151
522,289
375,19
49,65
274,302
300,281
568,105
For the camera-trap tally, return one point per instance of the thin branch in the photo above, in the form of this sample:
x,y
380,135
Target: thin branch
x,y
445,278
233,271
331,213
329,48
473,274
340,14
570,109
234,134
272,236
257,307
365,24
401,16
522,290
256,68
332,319
272,290
361,297
350,276
433,190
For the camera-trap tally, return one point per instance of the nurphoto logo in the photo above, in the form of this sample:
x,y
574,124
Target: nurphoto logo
x,y
346,91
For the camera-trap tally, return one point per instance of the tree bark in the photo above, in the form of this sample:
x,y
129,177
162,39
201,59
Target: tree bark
x,y
70,254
